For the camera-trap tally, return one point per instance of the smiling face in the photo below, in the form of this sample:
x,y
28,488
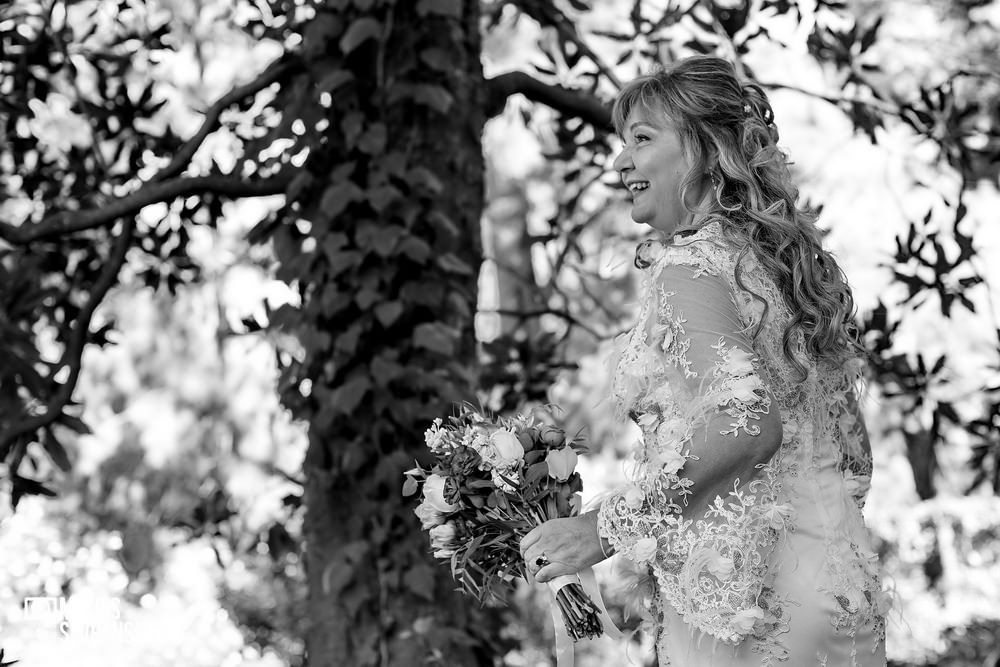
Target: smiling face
x,y
652,166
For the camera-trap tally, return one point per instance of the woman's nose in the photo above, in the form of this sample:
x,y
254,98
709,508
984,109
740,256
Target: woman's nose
x,y
623,162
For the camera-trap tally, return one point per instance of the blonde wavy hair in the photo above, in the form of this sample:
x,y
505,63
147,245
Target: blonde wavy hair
x,y
727,130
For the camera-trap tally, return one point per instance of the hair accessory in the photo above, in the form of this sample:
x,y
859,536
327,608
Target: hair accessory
x,y
746,109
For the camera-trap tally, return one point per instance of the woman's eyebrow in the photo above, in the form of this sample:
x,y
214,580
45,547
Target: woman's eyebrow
x,y
635,124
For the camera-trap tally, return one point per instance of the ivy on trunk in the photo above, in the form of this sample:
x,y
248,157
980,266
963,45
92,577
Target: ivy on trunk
x,y
392,195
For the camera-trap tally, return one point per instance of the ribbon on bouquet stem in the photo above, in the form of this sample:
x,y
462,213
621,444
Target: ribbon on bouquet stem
x,y
564,643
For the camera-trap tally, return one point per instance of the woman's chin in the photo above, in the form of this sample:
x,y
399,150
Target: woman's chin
x,y
640,218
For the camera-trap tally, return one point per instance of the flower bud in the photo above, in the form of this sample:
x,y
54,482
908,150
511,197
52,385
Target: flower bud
x,y
429,517
561,463
552,436
526,440
508,447
443,536
434,494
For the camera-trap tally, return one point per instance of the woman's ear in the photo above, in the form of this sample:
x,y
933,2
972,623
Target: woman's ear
x,y
711,159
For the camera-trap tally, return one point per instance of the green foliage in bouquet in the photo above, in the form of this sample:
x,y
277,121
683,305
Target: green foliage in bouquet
x,y
491,483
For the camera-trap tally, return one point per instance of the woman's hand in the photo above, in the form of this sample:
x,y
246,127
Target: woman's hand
x,y
567,545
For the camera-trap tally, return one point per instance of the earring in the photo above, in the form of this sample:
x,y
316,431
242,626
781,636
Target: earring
x,y
715,179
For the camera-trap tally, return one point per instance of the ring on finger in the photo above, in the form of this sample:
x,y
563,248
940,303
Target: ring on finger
x,y
542,561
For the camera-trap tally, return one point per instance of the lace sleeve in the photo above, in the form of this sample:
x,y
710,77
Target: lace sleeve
x,y
701,508
856,465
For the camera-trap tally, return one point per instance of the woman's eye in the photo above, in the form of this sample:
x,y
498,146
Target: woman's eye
x,y
641,137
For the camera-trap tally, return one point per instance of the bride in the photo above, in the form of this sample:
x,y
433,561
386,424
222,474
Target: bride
x,y
742,372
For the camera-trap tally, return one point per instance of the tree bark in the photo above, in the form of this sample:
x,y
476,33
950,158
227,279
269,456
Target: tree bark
x,y
388,274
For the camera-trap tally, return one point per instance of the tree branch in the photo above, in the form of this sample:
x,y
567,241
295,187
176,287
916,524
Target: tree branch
x,y
566,101
565,30
561,314
547,14
164,186
720,30
151,193
74,347
214,113
160,187
835,101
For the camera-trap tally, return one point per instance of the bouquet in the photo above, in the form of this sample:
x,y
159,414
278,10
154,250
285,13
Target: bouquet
x,y
491,483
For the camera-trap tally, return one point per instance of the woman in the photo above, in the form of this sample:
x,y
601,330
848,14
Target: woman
x,y
745,504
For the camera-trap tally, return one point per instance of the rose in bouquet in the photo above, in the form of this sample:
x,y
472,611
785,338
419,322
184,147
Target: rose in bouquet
x,y
491,482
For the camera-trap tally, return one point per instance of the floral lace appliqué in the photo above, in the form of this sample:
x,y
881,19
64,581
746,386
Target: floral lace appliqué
x,y
738,390
715,570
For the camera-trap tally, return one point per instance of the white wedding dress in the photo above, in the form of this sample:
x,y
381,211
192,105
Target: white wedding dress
x,y
745,502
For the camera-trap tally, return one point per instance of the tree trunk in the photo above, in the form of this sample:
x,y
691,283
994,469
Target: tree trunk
x,y
388,275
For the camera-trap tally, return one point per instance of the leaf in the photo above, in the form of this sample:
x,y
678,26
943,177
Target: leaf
x,y
334,241
373,140
435,337
416,249
318,33
452,264
388,312
869,36
449,8
76,424
342,261
381,196
351,126
301,181
336,576
385,243
436,59
338,197
967,302
347,397
425,177
56,451
410,486
536,472
385,370
347,341
23,486
443,223
939,364
947,411
366,296
334,80
420,580
360,31
435,97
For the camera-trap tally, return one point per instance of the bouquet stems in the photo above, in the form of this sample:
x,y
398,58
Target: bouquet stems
x,y
579,613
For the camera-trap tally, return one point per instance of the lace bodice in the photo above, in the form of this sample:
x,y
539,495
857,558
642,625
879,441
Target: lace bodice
x,y
734,445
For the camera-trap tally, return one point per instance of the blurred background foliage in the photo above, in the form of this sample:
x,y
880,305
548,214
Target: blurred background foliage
x,y
161,168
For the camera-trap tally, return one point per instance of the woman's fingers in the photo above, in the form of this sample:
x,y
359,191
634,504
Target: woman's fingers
x,y
530,540
552,538
553,570
559,546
